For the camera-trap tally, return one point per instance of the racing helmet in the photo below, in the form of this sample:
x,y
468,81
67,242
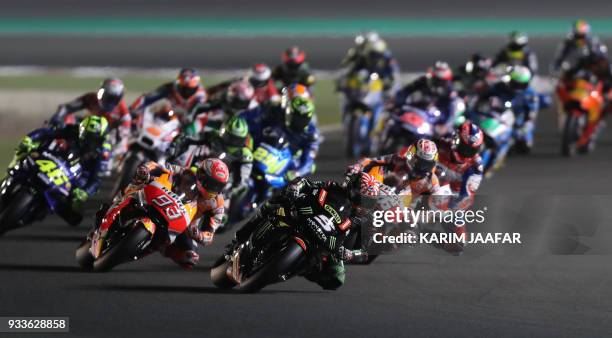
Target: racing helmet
x,y
517,41
92,132
439,78
362,188
259,75
467,141
239,95
212,176
292,91
293,57
422,157
478,64
299,113
187,82
234,132
110,93
581,29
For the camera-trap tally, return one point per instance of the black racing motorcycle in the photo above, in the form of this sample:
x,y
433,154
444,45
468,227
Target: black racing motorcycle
x,y
285,244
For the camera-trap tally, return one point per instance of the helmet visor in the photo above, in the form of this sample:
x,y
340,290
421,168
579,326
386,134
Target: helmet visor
x,y
210,184
467,151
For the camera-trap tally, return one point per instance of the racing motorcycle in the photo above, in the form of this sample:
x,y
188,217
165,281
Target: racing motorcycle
x,y
496,119
140,223
157,130
284,245
364,104
582,101
404,129
272,159
39,185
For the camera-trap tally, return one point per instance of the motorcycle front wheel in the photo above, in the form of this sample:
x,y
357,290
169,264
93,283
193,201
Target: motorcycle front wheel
x,y
280,263
125,250
15,211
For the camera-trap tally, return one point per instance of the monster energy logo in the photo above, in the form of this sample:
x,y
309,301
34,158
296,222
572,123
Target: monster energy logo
x,y
332,242
334,213
305,210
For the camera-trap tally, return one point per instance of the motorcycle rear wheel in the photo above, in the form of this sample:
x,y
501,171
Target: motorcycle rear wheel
x,y
570,136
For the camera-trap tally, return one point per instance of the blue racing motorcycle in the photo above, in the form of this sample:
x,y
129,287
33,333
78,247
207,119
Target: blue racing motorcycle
x,y
272,159
39,185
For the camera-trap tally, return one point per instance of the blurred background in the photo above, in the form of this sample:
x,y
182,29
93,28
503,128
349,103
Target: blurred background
x,y
56,50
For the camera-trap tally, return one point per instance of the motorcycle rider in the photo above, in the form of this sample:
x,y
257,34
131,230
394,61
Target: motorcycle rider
x,y
434,89
239,96
375,57
355,53
594,67
260,77
293,69
474,77
184,93
211,176
229,145
331,274
578,44
107,102
89,142
300,128
517,52
460,164
515,88
410,171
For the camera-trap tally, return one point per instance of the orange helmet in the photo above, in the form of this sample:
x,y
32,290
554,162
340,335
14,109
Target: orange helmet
x,y
187,82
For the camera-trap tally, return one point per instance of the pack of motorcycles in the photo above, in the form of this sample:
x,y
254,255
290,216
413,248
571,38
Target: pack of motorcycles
x,y
155,216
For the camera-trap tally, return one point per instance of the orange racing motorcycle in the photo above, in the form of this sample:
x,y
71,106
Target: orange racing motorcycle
x,y
140,223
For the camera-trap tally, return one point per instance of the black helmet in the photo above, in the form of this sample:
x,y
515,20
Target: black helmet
x,y
478,65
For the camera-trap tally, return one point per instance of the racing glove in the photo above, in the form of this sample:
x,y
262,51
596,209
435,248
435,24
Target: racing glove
x,y
291,175
204,237
79,196
26,145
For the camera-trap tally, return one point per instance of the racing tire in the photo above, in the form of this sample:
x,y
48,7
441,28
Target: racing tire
x,y
350,140
570,136
280,263
218,274
123,251
83,257
15,211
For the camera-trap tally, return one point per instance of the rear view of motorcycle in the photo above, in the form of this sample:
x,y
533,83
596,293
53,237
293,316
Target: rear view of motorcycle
x,y
156,132
363,105
583,102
